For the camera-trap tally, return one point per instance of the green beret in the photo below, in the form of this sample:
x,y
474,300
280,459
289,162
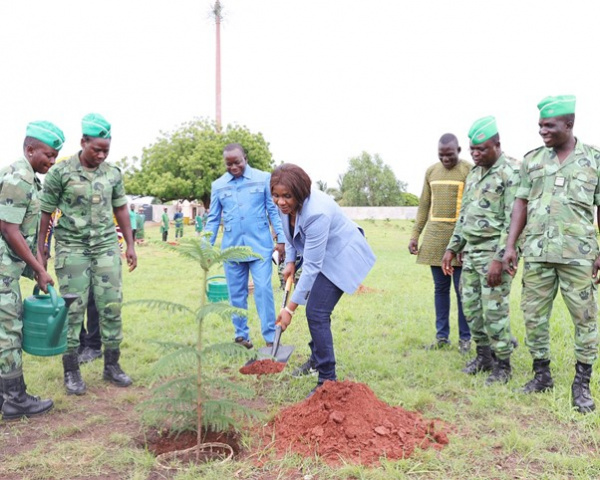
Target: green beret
x,y
557,106
482,130
47,133
95,125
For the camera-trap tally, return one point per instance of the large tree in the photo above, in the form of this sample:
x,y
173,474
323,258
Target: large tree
x,y
370,182
182,164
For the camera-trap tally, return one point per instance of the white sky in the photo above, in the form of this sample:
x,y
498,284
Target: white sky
x,y
323,80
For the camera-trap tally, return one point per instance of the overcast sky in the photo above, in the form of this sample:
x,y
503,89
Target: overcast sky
x,y
323,80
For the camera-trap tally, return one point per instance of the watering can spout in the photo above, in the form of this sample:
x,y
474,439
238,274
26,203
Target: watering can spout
x,y
69,298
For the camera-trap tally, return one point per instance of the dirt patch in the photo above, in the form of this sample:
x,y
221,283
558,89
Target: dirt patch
x,y
162,441
345,422
262,367
363,289
93,418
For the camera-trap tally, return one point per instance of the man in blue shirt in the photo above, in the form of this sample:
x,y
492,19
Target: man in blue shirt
x,y
242,199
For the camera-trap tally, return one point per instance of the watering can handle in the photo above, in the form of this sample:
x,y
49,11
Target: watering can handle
x,y
51,291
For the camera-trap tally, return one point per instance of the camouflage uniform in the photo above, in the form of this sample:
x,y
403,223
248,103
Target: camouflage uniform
x,y
481,234
87,250
19,204
559,246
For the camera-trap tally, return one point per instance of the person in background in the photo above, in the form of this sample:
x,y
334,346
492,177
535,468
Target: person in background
x,y
132,220
241,198
439,207
198,224
140,221
178,219
480,235
205,217
19,255
89,192
164,226
554,212
336,259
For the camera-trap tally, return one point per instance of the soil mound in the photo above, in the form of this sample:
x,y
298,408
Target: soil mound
x,y
262,367
344,421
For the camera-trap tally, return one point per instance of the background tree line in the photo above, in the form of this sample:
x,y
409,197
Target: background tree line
x,y
181,165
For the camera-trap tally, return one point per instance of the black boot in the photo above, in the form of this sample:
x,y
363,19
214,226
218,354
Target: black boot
x,y
483,362
18,403
582,397
542,380
112,370
73,381
501,372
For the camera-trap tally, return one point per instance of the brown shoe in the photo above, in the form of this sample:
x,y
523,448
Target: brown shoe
x,y
242,341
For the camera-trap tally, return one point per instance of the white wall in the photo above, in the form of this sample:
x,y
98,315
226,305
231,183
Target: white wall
x,y
381,213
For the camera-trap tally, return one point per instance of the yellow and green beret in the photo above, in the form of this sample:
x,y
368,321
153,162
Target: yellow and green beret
x,y
557,106
95,125
47,133
482,130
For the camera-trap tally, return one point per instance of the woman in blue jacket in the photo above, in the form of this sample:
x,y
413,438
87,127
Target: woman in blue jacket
x,y
336,257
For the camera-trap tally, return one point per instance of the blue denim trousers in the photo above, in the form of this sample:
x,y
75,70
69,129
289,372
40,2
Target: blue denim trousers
x,y
323,298
237,284
442,284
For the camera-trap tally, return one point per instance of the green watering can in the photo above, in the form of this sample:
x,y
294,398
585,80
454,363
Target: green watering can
x,y
216,289
44,322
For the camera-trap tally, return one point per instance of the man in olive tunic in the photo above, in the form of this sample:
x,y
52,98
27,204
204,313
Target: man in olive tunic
x,y
554,210
439,207
19,220
480,234
88,191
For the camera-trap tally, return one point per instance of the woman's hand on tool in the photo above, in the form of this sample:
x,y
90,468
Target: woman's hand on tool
x,y
284,319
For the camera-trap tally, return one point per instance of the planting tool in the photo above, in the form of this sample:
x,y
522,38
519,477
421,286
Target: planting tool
x,y
282,353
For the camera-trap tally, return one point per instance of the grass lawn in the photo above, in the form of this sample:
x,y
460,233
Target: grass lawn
x,y
495,432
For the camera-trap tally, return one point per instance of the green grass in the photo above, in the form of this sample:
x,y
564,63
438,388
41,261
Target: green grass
x,y
496,432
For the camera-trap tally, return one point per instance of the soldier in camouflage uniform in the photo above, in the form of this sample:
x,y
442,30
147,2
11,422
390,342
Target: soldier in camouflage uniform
x,y
554,209
480,234
88,191
19,221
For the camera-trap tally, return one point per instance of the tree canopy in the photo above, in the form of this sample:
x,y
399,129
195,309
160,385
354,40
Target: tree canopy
x,y
370,182
181,165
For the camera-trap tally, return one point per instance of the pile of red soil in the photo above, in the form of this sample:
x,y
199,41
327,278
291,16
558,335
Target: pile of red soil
x,y
262,367
344,421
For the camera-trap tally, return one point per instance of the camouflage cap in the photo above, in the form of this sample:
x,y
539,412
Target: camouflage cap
x,y
557,106
482,130
47,133
95,125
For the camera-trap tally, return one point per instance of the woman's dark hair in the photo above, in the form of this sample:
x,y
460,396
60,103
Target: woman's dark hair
x,y
294,179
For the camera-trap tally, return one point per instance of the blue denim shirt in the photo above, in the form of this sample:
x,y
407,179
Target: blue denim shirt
x,y
246,207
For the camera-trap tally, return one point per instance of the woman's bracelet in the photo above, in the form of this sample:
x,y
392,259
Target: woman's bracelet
x,y
291,312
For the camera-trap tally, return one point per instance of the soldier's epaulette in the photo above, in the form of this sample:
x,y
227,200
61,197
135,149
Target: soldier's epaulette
x,y
535,150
